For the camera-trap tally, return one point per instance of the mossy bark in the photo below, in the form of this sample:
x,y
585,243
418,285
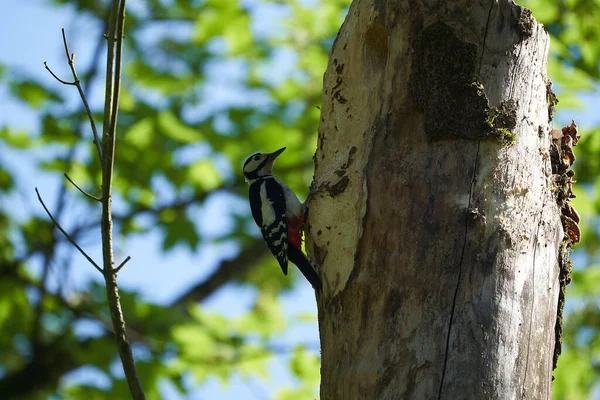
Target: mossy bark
x,y
435,226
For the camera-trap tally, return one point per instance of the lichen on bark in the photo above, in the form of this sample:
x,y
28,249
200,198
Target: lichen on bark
x,y
526,22
445,85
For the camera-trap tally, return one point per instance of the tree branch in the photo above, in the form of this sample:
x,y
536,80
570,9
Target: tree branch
x,y
122,264
69,238
77,83
113,82
48,365
81,190
71,58
106,157
56,77
48,251
228,270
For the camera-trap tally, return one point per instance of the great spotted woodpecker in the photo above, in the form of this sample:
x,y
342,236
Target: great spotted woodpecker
x,y
279,214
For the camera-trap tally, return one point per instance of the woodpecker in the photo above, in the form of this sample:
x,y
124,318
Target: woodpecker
x,y
279,214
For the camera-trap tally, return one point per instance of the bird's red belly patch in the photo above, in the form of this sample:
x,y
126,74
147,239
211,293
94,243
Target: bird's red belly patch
x,y
295,232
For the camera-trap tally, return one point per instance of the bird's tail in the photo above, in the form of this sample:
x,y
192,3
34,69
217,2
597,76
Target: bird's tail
x,y
308,269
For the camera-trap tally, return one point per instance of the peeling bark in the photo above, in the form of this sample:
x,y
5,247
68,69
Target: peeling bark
x,y
435,224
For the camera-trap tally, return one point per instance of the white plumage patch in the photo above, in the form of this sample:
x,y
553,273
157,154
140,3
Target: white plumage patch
x,y
267,212
292,204
280,230
274,231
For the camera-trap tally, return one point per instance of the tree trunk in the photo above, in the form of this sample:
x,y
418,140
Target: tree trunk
x,y
435,223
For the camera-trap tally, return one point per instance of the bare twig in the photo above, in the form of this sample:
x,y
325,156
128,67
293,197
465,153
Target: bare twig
x,y
48,251
77,83
56,77
81,190
69,238
71,58
122,264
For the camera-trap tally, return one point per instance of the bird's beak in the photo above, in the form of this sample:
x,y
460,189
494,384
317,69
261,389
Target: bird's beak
x,y
272,156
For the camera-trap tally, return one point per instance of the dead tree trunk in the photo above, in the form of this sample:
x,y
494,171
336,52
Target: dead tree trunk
x,y
436,225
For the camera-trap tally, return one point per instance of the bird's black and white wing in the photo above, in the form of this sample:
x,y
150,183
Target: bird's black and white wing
x,y
267,202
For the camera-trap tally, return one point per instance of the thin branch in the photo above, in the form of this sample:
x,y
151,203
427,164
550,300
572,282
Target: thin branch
x,y
117,73
122,264
36,331
66,234
56,77
81,308
228,271
77,83
49,251
111,105
110,63
81,190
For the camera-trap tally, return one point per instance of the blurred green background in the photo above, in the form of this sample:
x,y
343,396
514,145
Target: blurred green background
x,y
205,84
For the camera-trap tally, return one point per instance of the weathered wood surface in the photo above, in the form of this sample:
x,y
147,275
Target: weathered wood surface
x,y
436,227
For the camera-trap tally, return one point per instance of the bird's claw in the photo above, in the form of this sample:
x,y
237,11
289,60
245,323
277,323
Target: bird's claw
x,y
312,187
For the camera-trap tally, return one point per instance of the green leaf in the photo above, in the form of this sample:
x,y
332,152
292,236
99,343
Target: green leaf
x,y
305,365
56,165
6,180
172,127
253,360
266,317
296,394
585,282
215,17
79,174
127,100
75,391
16,139
38,233
143,196
140,134
33,93
204,174
58,130
573,376
165,82
544,11
15,314
237,34
570,78
181,230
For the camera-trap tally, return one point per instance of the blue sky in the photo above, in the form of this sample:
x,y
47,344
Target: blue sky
x,y
35,31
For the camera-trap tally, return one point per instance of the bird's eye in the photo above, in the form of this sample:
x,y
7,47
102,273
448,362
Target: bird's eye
x,y
256,158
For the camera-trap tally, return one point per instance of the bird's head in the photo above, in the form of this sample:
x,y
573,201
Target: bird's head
x,y
260,164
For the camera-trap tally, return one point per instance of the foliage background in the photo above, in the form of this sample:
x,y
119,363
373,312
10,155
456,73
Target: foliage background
x,y
205,84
